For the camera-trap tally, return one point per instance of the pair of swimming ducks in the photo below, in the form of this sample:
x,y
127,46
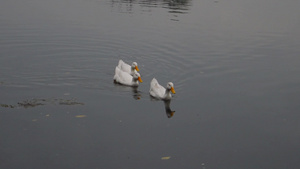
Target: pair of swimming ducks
x,y
129,76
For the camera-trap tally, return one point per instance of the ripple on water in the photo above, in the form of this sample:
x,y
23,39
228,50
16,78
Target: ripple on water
x,y
75,56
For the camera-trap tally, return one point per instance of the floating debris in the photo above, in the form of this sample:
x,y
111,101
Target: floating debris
x,y
166,158
69,102
31,103
7,105
39,102
80,116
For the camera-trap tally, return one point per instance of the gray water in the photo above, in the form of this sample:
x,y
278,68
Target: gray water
x,y
234,64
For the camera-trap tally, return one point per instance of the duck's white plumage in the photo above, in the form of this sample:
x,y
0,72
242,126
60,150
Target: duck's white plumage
x,y
127,68
158,91
126,79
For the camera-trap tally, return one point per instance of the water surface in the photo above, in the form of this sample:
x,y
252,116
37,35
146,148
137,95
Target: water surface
x,y
235,66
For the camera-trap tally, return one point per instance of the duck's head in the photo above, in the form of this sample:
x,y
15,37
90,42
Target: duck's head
x,y
134,66
170,86
137,76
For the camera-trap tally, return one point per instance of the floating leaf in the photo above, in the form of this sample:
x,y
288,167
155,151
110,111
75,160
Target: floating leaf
x,y
80,116
34,119
166,158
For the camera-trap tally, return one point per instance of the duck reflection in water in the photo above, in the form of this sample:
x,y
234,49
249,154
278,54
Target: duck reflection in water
x,y
135,92
169,112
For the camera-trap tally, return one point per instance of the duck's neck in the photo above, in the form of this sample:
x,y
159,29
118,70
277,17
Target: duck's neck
x,y
132,70
135,81
167,94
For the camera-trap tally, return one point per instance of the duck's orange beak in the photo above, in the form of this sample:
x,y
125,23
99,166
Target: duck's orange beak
x,y
172,90
140,79
136,68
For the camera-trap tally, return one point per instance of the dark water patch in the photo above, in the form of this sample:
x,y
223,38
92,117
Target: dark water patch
x,y
41,102
153,3
174,7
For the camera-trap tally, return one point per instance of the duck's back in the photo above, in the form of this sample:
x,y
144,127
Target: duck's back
x,y
156,90
122,77
124,66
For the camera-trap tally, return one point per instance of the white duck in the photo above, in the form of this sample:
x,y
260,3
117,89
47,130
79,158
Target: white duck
x,y
127,68
126,79
157,91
